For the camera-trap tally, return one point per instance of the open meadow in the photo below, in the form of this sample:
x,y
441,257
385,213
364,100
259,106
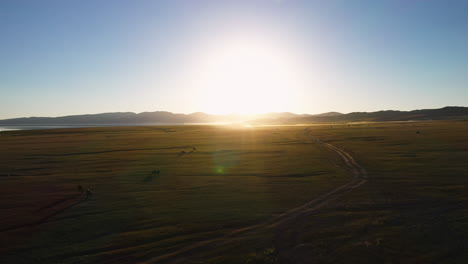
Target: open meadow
x,y
331,193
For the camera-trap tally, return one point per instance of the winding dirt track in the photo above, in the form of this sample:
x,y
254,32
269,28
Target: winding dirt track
x,y
359,178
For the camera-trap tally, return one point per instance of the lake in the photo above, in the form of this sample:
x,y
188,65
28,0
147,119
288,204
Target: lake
x,y
33,127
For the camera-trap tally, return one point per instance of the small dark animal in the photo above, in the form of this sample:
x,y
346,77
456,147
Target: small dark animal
x,y
181,153
417,132
153,175
192,151
89,193
80,188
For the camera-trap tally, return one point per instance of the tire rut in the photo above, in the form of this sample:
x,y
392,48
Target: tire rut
x,y
359,178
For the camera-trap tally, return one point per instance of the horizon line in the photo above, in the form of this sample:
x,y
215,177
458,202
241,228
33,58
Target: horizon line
x,y
230,114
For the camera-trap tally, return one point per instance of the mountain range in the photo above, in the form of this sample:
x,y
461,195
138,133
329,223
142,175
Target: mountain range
x,y
449,112
158,117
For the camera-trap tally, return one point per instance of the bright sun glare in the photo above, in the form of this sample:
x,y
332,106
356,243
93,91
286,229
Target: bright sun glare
x,y
247,76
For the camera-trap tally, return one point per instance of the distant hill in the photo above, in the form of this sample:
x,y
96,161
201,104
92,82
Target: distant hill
x,y
129,118
449,112
329,114
119,118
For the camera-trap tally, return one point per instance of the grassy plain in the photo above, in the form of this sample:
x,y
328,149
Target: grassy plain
x,y
411,210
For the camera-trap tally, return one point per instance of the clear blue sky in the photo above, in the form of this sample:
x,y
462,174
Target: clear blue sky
x,y
76,57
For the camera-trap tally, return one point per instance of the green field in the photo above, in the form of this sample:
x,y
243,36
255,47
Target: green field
x,y
216,179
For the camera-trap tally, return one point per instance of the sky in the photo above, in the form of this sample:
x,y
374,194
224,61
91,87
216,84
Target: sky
x,y
82,57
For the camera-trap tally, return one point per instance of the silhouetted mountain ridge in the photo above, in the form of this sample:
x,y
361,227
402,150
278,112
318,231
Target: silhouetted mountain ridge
x,y
330,114
129,118
449,112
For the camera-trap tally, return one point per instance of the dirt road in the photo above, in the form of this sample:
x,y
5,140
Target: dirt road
x,y
278,222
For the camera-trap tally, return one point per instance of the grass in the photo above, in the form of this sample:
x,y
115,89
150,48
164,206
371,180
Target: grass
x,y
412,209
235,177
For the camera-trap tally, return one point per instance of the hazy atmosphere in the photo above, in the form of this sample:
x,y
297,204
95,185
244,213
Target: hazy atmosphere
x,y
79,57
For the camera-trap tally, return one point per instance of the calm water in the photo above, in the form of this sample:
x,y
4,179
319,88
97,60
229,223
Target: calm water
x,y
8,128
30,127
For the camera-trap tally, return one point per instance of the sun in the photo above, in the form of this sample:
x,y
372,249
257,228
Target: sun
x,y
246,76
